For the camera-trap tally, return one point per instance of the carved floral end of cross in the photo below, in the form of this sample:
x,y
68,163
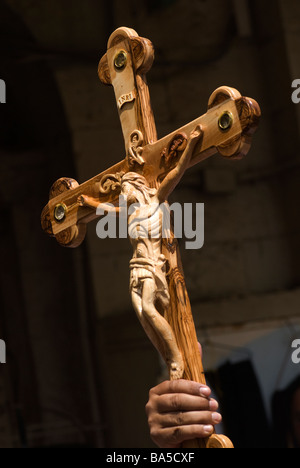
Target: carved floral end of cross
x,y
146,176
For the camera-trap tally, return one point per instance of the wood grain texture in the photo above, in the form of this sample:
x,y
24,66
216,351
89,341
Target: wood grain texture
x,y
179,315
151,167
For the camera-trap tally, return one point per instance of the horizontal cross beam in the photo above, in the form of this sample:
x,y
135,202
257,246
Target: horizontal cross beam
x,y
227,128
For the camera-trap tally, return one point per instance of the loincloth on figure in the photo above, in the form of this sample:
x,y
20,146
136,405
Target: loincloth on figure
x,y
144,268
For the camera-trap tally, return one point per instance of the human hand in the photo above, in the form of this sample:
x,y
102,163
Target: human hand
x,y
180,410
196,133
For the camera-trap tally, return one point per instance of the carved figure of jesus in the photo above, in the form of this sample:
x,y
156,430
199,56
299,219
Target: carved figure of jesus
x,y
148,283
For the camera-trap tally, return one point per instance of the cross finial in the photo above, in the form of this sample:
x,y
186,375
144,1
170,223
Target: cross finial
x,y
127,60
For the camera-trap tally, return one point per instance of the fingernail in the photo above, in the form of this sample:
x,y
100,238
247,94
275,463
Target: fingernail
x,y
204,391
208,429
213,405
216,418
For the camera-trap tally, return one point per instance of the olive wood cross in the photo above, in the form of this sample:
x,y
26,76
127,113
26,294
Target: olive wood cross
x,y
226,128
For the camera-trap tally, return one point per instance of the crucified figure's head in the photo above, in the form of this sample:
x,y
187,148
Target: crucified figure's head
x,y
136,189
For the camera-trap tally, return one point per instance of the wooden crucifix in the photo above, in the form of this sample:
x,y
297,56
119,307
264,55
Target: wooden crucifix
x,y
145,178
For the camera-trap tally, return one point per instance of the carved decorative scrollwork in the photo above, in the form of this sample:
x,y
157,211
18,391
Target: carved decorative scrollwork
x,y
135,150
110,183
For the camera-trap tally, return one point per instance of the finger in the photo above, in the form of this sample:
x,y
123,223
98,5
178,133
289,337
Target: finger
x,y
175,402
173,437
182,386
188,418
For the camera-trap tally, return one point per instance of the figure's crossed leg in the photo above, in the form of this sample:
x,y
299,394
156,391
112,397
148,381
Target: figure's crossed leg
x,y
157,328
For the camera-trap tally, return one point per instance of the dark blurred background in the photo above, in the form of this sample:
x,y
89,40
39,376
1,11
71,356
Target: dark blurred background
x,y
79,366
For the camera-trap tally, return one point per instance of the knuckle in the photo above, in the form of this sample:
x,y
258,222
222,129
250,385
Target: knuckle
x,y
151,393
151,403
176,435
150,410
154,433
151,418
179,419
174,401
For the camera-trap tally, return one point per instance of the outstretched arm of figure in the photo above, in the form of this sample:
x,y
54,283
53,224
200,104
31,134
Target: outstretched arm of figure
x,y
171,180
84,200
